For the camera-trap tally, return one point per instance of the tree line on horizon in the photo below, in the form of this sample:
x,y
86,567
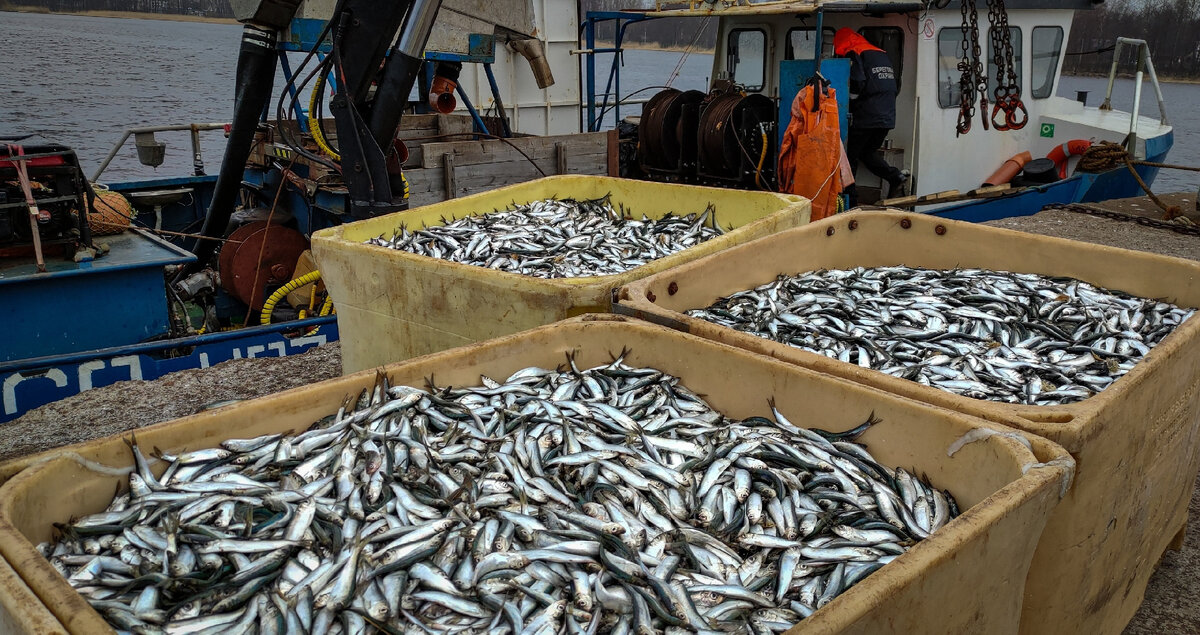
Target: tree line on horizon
x,y
1169,26
205,8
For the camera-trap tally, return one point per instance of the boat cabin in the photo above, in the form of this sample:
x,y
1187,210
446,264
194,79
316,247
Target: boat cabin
x,y
771,49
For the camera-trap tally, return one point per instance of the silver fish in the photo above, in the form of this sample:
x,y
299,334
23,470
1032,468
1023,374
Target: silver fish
x,y
994,335
599,498
556,238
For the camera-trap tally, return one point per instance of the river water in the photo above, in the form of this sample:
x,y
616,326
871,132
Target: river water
x,y
103,75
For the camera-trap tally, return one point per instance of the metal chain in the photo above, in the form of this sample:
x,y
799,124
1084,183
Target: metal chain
x,y
1007,93
972,82
977,60
1187,230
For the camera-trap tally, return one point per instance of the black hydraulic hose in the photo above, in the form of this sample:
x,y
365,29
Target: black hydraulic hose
x,y
397,81
400,72
255,78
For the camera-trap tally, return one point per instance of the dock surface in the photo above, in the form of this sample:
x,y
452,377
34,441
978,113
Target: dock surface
x,y
1172,603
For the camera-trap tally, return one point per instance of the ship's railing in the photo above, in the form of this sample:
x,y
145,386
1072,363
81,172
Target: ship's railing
x,y
1144,65
150,151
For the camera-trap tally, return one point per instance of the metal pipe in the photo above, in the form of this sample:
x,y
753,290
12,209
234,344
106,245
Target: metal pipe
x,y
417,26
590,36
471,109
111,155
400,73
820,45
1137,105
197,157
614,71
535,54
1162,104
133,131
487,69
1112,74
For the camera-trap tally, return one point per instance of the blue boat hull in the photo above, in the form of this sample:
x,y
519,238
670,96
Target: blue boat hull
x,y
1079,188
92,324
30,383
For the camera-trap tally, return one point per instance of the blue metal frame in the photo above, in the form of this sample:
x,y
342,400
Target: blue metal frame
x,y
304,32
623,20
487,69
481,49
29,383
466,101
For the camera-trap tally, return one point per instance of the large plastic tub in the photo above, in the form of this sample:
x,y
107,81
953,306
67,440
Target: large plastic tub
x,y
966,578
393,305
1137,443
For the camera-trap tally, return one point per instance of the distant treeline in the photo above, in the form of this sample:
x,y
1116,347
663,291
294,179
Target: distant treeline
x,y
206,8
699,33
1169,26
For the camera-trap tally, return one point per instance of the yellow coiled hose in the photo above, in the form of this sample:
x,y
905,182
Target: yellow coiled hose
x,y
314,127
281,293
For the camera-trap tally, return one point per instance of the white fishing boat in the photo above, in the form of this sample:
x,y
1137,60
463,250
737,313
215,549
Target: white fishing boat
x,y
951,145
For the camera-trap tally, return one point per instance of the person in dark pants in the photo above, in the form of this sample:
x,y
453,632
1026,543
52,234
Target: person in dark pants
x,y
872,108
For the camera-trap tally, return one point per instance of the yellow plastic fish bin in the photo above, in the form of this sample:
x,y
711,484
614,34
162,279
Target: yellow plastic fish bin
x,y
1137,443
394,305
964,578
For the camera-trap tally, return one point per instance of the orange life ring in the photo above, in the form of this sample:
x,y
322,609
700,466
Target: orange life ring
x,y
1060,154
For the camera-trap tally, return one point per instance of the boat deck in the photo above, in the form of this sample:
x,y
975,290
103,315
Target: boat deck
x,y
1172,603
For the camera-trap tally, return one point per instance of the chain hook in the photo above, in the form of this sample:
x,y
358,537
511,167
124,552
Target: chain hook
x,y
1012,121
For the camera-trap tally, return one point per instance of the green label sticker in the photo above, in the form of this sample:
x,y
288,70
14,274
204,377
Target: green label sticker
x,y
1047,130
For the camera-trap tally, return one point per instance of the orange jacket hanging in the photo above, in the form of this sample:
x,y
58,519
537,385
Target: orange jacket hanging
x,y
811,152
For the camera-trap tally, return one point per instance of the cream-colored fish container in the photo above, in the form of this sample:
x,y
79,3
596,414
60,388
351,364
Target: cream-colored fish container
x,y
393,305
963,578
20,610
1137,442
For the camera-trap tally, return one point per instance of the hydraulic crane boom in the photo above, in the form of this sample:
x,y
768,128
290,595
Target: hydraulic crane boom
x,y
377,52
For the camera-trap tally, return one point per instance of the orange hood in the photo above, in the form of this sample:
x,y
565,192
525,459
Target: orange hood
x,y
847,41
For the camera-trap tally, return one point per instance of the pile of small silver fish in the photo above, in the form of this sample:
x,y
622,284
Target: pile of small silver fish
x,y
610,499
994,335
556,238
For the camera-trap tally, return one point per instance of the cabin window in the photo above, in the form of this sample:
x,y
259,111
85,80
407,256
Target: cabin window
x,y
1047,47
802,44
747,58
1014,34
891,40
949,52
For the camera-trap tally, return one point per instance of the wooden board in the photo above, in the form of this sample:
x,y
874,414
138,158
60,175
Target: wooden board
x,y
950,196
540,149
427,185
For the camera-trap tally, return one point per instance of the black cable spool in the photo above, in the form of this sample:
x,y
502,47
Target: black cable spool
x,y
730,137
664,145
